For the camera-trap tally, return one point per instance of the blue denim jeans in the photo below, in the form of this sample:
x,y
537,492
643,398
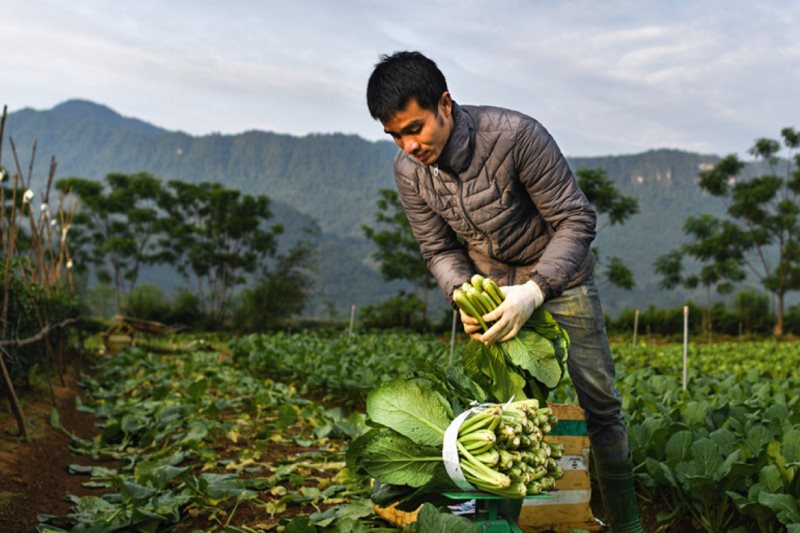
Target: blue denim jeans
x,y
591,368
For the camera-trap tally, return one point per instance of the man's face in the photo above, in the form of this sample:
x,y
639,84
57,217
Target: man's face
x,y
421,133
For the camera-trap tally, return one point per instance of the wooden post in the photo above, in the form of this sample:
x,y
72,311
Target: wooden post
x,y
352,321
685,347
452,338
635,327
12,397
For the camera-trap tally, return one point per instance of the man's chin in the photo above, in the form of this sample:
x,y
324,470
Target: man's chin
x,y
427,159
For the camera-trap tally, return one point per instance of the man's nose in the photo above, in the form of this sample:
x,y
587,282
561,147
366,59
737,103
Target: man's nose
x,y
410,145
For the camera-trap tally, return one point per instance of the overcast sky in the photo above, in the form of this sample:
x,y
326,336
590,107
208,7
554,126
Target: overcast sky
x,y
605,77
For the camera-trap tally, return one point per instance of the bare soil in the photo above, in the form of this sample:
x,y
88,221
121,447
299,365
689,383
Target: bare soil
x,y
33,473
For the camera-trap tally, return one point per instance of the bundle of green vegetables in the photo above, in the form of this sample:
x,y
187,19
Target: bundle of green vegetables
x,y
496,448
528,366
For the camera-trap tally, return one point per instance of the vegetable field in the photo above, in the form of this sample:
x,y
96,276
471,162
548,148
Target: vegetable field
x,y
253,437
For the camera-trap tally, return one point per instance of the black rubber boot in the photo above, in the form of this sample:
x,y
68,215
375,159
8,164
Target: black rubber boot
x,y
619,495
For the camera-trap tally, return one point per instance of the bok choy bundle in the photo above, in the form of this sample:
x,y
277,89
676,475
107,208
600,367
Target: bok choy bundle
x,y
500,447
528,366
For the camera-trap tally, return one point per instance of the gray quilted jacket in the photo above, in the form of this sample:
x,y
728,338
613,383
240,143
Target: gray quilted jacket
x,y
501,201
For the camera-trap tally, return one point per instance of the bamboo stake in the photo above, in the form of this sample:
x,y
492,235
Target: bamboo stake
x,y
12,397
685,347
635,327
352,321
12,236
453,338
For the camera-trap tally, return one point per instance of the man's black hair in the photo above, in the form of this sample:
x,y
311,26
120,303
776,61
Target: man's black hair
x,y
398,78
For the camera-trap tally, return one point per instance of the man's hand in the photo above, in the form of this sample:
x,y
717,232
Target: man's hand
x,y
519,304
471,325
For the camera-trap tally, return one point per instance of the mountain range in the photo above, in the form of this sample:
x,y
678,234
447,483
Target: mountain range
x,y
334,179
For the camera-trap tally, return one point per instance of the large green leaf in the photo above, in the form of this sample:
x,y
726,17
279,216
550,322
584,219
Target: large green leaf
x,y
487,365
705,453
783,505
770,479
757,438
430,520
394,459
356,449
790,448
694,413
536,355
413,411
725,439
678,446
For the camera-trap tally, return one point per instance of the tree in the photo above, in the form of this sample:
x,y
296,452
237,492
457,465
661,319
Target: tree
x,y
607,200
751,306
398,252
116,226
215,237
711,248
282,291
760,231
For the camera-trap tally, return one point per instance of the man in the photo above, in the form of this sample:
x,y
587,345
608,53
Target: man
x,y
487,190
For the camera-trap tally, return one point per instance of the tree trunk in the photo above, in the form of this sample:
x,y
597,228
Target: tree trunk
x,y
778,329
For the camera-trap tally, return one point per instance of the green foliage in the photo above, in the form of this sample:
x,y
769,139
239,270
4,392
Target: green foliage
x,y
724,451
404,311
793,319
607,200
528,366
147,302
186,309
412,410
664,321
619,274
215,237
347,369
752,308
397,250
280,293
100,299
763,214
604,195
430,519
116,226
165,420
30,308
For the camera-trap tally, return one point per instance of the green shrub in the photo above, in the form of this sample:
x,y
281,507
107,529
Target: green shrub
x,y
147,302
404,311
30,309
186,309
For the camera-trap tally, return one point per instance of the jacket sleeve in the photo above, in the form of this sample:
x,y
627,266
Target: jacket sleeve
x,y
445,256
554,191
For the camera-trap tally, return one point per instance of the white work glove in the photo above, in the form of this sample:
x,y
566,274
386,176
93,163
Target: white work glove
x,y
471,325
519,304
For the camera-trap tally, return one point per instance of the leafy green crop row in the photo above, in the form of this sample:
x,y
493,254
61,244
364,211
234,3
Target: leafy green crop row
x,y
347,369
199,442
726,452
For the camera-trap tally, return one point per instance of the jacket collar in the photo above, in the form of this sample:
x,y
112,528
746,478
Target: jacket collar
x,y
458,151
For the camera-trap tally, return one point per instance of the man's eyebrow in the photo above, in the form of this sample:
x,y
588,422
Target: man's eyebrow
x,y
411,125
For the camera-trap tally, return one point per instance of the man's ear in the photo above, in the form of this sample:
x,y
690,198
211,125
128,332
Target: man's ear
x,y
446,104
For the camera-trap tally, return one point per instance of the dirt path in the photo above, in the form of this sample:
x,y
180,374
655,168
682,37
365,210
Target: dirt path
x,y
33,475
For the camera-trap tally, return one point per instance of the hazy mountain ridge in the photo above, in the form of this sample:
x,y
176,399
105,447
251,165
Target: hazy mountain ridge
x,y
334,179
